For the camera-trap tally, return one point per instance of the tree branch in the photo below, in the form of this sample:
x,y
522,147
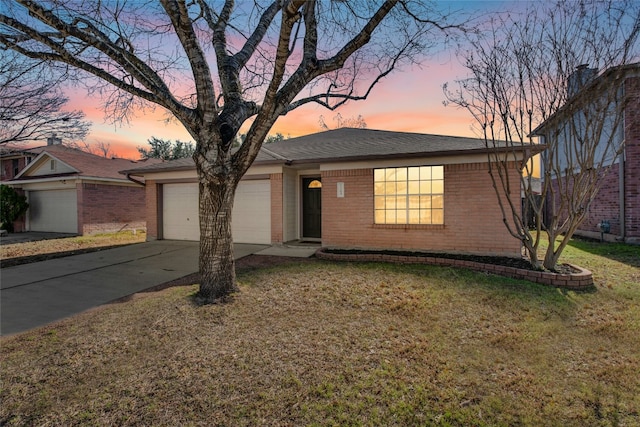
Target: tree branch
x,y
179,15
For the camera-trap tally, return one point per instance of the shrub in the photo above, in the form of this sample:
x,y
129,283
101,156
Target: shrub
x,y
12,206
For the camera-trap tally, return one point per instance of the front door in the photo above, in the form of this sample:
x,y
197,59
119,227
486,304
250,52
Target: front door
x,y
311,208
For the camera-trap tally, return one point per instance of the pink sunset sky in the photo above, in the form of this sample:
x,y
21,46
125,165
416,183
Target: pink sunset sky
x,y
409,99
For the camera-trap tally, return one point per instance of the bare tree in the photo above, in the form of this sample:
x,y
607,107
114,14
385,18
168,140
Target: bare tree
x,y
31,105
350,122
99,148
214,65
527,79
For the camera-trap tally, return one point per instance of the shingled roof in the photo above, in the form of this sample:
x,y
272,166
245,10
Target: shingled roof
x,y
351,144
347,144
87,165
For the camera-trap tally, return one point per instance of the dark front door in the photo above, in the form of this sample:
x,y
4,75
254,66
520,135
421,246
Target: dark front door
x,y
311,208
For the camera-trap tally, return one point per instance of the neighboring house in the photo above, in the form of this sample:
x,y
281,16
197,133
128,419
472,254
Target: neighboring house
x,y
71,191
618,200
13,160
349,188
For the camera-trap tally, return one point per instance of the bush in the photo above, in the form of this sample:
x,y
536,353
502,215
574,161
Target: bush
x,y
12,206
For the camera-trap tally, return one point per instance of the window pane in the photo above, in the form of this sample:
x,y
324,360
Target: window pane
x,y
437,216
401,187
390,174
379,202
425,172
414,187
425,202
401,202
414,174
414,202
437,202
425,187
401,174
437,187
401,216
391,217
437,172
425,216
378,175
390,203
378,188
390,188
414,216
380,219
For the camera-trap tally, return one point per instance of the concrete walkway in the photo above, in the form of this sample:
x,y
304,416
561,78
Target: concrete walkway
x,y
36,294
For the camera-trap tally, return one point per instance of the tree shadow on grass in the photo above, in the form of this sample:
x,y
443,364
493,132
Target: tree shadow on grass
x,y
621,252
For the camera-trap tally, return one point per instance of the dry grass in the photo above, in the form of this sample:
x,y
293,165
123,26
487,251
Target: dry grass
x,y
326,344
20,253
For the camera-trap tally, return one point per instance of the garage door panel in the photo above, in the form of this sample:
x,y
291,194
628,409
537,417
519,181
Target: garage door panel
x,y
251,212
53,211
180,212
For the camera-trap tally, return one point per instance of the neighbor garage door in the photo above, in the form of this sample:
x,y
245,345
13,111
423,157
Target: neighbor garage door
x,y
251,212
53,211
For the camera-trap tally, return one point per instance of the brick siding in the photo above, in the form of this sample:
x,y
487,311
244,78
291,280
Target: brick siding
x,y
632,169
109,208
8,170
473,220
605,205
152,209
276,208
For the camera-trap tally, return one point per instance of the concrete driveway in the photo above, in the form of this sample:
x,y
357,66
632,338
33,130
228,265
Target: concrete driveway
x,y
36,294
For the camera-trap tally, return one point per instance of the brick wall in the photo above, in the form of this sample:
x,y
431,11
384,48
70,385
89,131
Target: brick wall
x,y
632,169
108,208
473,221
152,208
10,167
276,207
605,205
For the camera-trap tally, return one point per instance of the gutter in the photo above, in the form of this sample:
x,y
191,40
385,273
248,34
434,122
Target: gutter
x,y
277,156
135,180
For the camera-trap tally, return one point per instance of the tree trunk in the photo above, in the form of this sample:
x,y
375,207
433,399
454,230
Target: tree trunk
x,y
217,265
551,255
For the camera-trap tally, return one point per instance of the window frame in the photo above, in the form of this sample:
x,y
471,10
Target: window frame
x,y
416,191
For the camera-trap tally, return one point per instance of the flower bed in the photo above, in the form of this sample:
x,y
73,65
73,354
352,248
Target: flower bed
x,y
578,279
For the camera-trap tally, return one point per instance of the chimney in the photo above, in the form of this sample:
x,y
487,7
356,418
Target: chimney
x,y
579,78
54,140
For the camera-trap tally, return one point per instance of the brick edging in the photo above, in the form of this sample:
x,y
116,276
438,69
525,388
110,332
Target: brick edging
x,y
578,281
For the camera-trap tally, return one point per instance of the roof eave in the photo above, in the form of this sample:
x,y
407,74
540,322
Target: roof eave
x,y
533,147
143,171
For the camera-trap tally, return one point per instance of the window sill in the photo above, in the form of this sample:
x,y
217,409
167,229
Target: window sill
x,y
409,226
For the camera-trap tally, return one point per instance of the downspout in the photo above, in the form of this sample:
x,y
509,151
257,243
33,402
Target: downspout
x,y
621,173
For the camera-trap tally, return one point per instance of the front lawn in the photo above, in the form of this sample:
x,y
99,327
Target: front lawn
x,y
27,252
320,344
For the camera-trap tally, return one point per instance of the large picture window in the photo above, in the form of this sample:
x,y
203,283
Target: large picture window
x,y
409,195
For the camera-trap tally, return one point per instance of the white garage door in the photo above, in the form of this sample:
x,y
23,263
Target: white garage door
x,y
53,211
180,212
251,212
